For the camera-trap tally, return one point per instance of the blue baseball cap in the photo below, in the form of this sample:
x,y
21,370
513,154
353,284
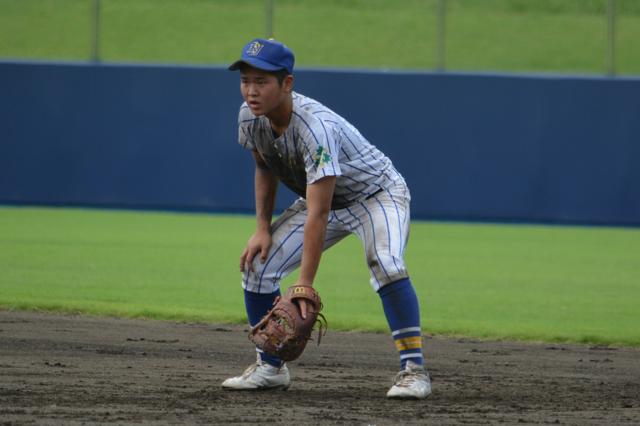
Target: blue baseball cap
x,y
267,55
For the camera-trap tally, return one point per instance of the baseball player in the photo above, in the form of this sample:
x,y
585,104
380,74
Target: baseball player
x,y
346,186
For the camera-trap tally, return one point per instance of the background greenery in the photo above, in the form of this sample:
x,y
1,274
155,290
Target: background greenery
x,y
529,282
488,35
547,283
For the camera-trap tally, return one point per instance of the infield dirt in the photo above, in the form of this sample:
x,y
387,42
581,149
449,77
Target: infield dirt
x,y
68,370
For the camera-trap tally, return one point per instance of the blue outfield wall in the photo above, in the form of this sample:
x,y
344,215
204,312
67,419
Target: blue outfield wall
x,y
472,147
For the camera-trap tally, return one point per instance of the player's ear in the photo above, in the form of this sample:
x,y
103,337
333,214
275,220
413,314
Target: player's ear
x,y
287,83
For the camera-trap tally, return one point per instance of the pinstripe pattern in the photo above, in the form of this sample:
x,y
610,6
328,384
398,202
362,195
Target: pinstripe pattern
x,y
379,223
371,199
361,169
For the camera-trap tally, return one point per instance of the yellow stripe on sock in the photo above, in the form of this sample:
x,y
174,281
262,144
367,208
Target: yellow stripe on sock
x,y
413,342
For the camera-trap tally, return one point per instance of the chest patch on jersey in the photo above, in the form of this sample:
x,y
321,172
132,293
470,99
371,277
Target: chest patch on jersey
x,y
321,157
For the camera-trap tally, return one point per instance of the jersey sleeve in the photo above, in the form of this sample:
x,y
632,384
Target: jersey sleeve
x,y
245,121
320,150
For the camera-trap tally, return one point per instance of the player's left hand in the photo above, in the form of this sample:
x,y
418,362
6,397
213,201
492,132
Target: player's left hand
x,y
283,332
302,304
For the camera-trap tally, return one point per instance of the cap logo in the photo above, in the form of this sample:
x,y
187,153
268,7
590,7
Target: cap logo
x,y
254,48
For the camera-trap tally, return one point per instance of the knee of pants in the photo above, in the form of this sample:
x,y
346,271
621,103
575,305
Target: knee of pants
x,y
386,268
261,280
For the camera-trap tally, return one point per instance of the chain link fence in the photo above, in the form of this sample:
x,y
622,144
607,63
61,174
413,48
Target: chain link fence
x,y
565,36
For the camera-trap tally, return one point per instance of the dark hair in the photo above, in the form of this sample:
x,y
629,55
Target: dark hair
x,y
280,75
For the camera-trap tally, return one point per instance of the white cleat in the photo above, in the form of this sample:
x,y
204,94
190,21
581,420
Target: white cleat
x,y
411,383
260,376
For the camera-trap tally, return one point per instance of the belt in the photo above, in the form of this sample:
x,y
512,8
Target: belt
x,y
374,194
353,203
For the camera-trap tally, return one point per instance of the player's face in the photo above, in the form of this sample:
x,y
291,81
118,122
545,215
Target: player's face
x,y
262,92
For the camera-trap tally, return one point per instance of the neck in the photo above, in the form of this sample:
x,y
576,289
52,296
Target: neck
x,y
281,116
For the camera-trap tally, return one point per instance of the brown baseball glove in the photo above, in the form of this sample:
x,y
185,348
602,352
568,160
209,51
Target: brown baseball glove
x,y
283,332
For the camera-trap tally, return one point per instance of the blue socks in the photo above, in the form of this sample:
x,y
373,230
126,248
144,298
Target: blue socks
x,y
400,305
257,305
401,308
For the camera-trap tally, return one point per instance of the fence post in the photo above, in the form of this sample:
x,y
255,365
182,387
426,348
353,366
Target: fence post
x,y
441,35
611,37
95,50
269,19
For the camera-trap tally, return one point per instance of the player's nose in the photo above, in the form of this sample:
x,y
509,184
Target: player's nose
x,y
252,89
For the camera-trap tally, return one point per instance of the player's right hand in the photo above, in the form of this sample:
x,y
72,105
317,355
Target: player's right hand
x,y
258,244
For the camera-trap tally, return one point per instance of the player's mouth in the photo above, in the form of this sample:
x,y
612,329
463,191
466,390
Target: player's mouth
x,y
254,105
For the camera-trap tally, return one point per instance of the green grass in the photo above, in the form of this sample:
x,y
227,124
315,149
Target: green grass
x,y
488,35
550,283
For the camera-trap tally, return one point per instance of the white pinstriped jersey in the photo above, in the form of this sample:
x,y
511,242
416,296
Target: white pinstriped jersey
x,y
319,143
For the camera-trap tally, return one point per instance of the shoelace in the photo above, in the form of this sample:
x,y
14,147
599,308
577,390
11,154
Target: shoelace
x,y
250,370
407,378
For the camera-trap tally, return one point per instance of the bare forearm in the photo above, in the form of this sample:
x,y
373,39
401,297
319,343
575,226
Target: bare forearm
x,y
266,185
319,197
314,233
